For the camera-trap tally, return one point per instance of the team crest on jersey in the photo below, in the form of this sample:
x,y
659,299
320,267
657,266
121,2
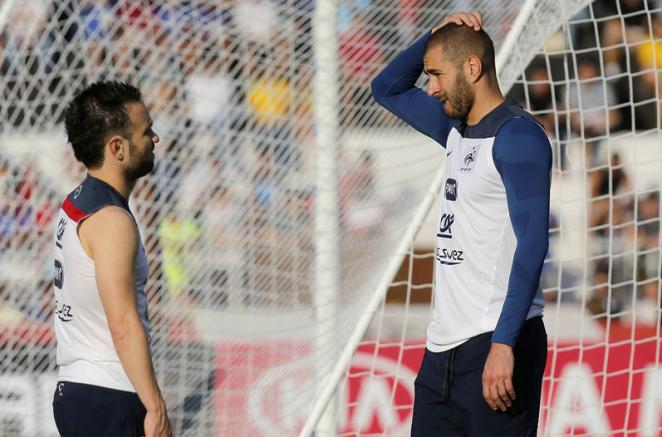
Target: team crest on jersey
x,y
77,192
469,160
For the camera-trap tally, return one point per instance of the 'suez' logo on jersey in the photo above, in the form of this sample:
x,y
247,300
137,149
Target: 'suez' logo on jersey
x,y
63,312
445,225
470,158
449,256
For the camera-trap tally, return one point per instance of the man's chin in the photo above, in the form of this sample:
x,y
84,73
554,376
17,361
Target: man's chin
x,y
144,170
456,115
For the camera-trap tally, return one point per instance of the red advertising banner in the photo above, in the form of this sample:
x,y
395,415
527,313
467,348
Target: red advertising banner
x,y
604,389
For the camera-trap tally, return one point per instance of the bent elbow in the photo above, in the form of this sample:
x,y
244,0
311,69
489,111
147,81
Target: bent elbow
x,y
378,88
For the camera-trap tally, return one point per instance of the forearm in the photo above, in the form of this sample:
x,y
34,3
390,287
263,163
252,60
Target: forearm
x,y
401,74
131,344
395,89
522,288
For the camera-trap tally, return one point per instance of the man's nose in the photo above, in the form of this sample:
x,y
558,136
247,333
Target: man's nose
x,y
433,87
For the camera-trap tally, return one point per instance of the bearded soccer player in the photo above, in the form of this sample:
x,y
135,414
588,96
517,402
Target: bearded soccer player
x,y
486,346
106,383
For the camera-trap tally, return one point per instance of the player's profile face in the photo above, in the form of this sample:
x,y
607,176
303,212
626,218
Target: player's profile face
x,y
141,143
448,83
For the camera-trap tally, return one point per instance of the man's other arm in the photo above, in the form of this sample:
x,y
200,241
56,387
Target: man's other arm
x,y
523,156
395,89
111,238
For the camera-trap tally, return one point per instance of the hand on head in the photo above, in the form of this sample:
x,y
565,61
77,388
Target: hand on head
x,y
470,19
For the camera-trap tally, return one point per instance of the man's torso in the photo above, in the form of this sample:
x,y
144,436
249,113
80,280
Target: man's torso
x,y
85,350
475,240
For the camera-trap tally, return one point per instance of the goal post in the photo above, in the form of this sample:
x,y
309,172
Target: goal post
x,y
289,220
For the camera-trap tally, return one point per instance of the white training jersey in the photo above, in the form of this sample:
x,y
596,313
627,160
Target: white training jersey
x,y
85,350
475,242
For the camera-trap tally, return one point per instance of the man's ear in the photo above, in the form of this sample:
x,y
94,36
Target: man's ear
x,y
473,68
117,146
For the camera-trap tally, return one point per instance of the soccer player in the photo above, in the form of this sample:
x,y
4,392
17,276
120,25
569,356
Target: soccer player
x,y
486,346
106,384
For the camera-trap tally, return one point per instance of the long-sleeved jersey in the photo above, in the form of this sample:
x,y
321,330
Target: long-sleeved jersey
x,y
494,219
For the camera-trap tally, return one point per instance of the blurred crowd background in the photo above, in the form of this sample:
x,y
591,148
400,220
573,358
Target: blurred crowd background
x,y
244,79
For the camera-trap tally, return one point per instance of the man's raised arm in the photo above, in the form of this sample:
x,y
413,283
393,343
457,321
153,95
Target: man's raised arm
x,y
395,89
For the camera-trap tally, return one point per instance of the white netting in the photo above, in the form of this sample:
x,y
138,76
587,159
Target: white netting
x,y
229,216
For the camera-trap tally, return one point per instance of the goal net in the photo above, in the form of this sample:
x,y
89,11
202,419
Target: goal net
x,y
289,219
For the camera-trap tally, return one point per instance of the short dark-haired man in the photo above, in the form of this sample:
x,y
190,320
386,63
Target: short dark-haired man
x,y
106,383
486,347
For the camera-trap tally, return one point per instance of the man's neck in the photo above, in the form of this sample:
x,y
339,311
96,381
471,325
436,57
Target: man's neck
x,y
115,180
484,104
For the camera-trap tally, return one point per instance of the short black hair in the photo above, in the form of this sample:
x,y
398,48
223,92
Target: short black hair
x,y
95,114
459,42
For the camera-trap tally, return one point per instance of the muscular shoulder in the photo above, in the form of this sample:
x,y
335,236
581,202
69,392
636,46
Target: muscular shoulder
x,y
521,130
113,217
108,229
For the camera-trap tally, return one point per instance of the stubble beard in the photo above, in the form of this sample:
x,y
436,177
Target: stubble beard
x,y
142,165
462,99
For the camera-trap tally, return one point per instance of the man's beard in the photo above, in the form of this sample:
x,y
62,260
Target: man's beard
x,y
141,165
462,99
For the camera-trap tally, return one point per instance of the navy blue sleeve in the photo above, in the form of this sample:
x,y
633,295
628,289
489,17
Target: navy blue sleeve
x,y
395,89
523,157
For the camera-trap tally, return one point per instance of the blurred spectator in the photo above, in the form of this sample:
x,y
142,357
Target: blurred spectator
x,y
360,205
587,99
361,56
648,306
95,19
604,300
269,99
408,19
25,60
614,34
648,236
209,91
6,222
606,184
6,177
590,102
255,20
178,233
614,55
648,55
221,222
540,97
